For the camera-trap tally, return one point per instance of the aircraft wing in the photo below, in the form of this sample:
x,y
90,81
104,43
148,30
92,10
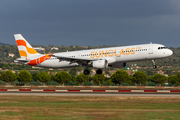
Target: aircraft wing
x,y
80,61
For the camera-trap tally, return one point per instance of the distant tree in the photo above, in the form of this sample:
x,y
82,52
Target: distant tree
x,y
24,76
119,77
1,65
139,77
8,76
50,45
169,72
98,79
43,77
52,73
81,79
178,78
62,77
72,72
79,68
109,82
149,72
172,79
158,79
89,68
107,72
66,69
34,76
3,68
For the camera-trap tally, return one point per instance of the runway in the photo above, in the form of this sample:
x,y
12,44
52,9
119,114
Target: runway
x,y
93,94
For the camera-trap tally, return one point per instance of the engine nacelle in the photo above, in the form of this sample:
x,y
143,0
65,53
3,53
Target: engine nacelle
x,y
119,65
100,64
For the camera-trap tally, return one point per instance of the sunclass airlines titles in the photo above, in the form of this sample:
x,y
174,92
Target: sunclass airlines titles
x,y
111,53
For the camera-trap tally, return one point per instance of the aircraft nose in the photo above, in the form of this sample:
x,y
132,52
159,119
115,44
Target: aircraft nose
x,y
170,52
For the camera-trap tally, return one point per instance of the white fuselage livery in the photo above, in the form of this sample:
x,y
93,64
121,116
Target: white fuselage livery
x,y
113,55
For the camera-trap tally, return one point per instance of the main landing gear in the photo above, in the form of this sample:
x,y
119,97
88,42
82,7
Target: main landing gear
x,y
87,72
154,65
99,71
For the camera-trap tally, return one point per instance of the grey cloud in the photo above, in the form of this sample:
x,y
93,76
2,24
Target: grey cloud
x,y
91,22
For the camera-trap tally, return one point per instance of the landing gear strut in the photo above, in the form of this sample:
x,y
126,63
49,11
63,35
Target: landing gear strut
x,y
154,65
99,71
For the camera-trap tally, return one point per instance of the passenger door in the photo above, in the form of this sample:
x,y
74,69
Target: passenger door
x,y
150,49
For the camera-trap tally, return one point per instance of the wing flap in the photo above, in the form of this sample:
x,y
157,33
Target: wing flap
x,y
74,59
71,58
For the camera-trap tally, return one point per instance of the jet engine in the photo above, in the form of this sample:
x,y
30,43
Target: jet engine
x,y
118,65
100,64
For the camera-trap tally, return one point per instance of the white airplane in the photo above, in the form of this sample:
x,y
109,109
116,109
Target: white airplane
x,y
96,58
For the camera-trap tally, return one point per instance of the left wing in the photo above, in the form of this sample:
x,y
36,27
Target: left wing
x,y
81,61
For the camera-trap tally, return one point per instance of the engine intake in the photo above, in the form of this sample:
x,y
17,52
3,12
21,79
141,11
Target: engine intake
x,y
100,64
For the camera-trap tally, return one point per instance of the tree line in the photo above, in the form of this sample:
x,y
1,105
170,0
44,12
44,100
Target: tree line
x,y
62,78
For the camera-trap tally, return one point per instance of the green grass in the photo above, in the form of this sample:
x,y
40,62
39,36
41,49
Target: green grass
x,y
90,108
9,113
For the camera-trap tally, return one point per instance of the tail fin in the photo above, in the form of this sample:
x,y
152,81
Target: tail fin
x,y
25,49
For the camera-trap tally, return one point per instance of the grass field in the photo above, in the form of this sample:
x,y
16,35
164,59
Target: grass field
x,y
96,108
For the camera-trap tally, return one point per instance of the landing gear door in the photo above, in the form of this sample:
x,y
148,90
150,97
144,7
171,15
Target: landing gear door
x,y
150,49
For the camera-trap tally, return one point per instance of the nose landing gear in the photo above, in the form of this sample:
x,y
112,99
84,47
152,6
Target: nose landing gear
x,y
154,65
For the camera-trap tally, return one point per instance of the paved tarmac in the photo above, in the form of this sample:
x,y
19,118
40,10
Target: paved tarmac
x,y
94,94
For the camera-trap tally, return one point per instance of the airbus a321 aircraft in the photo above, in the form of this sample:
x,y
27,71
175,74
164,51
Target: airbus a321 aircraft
x,y
96,58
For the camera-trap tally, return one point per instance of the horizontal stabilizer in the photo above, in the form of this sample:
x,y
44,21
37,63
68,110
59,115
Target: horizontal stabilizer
x,y
21,60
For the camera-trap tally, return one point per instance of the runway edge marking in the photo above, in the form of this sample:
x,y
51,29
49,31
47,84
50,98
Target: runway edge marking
x,y
90,91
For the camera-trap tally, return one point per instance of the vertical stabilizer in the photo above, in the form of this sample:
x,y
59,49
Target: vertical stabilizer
x,y
25,49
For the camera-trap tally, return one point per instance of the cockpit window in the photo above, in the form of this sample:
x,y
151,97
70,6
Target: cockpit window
x,y
161,48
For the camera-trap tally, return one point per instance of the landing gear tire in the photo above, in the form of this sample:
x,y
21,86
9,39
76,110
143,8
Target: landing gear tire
x,y
154,65
86,72
99,71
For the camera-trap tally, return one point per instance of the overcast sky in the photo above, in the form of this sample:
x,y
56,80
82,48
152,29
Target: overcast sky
x,y
91,22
